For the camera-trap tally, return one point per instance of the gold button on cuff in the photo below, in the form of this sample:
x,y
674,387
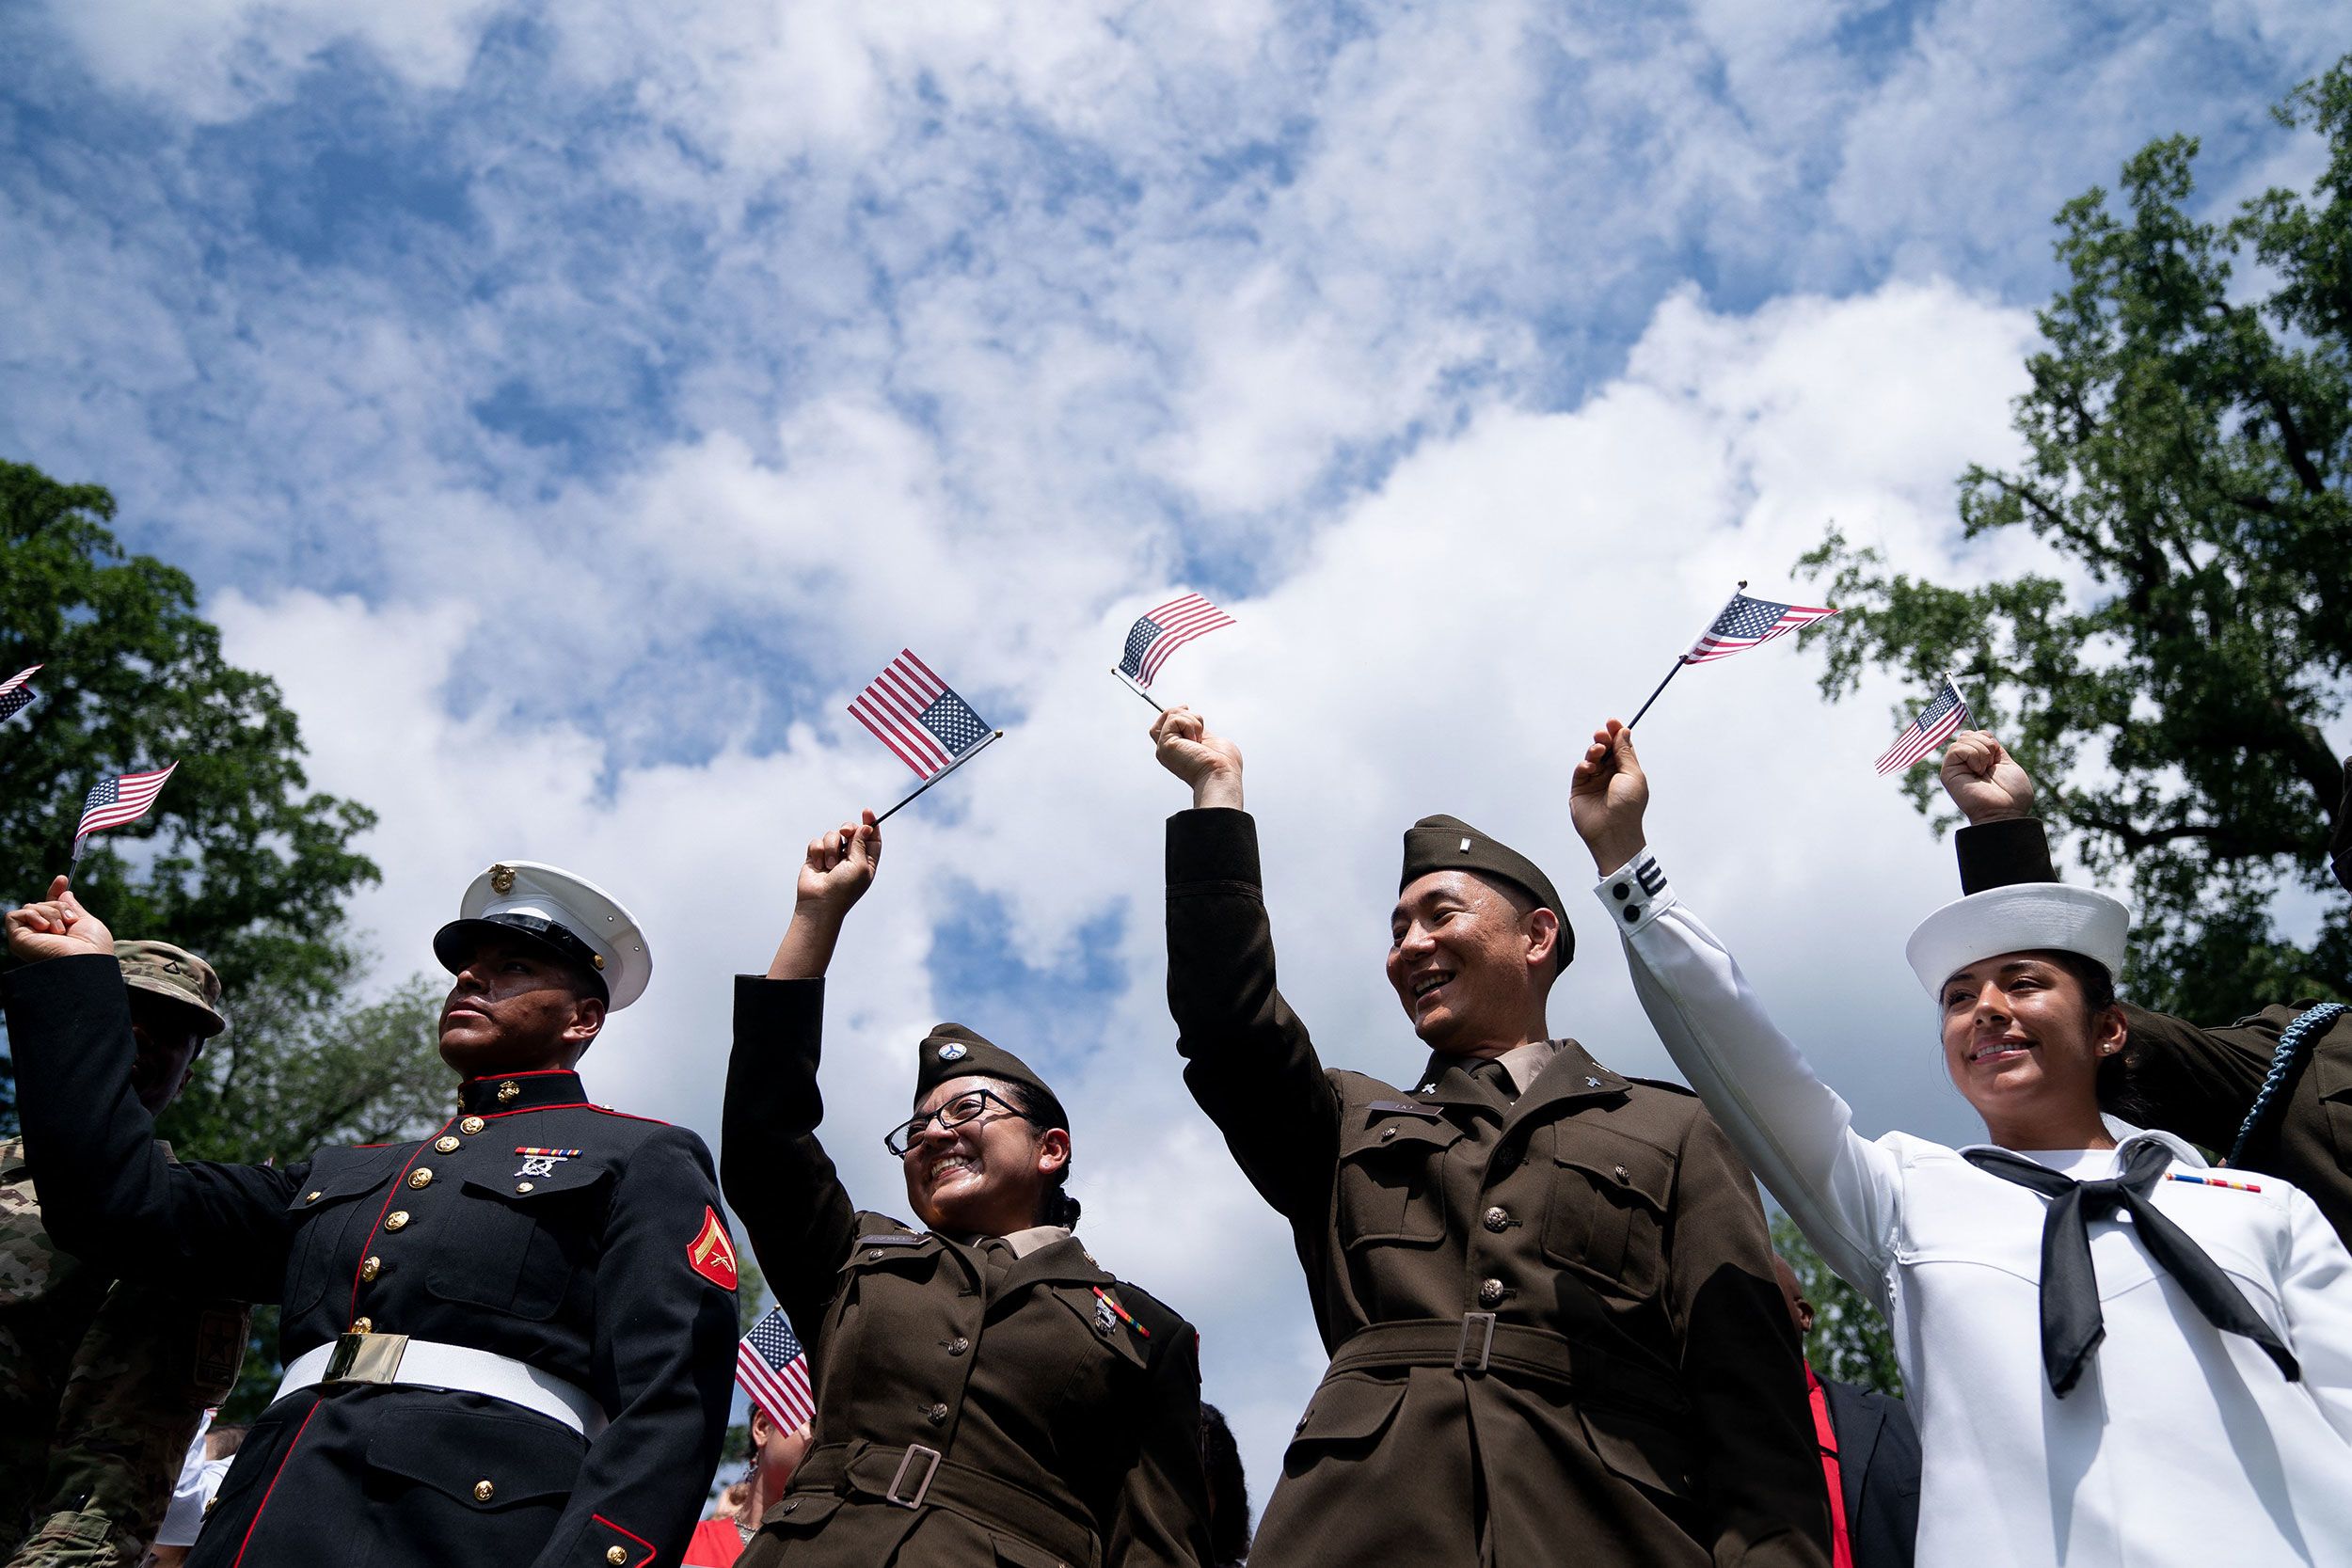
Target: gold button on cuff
x,y
363,1326
445,1146
471,1125
509,1090
420,1177
616,1555
369,1270
482,1491
522,1186
397,1218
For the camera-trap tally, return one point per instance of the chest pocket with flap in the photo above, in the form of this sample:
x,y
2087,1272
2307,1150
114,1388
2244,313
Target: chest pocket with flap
x,y
1608,1201
331,1210
517,1251
1391,1176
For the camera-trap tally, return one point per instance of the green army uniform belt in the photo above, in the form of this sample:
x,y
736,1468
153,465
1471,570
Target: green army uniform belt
x,y
918,1475
1475,1344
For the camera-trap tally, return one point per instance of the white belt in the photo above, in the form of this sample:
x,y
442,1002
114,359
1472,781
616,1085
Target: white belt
x,y
399,1360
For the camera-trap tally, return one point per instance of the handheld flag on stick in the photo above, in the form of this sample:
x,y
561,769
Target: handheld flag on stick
x,y
15,696
1936,725
922,720
773,1371
1160,632
1741,624
114,802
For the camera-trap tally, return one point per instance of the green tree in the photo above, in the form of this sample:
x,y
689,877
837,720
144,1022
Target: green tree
x,y
2188,428
238,861
1850,1341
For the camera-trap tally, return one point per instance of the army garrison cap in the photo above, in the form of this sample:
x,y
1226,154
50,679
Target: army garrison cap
x,y
951,1051
175,974
562,914
1450,844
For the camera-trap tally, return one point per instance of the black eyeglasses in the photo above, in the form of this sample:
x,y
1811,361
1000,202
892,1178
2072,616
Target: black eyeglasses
x,y
964,1107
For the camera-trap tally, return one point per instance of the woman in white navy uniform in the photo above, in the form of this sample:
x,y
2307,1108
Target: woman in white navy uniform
x,y
2117,1355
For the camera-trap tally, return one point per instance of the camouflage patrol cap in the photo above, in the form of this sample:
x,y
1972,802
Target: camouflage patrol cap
x,y
952,1050
175,974
1450,844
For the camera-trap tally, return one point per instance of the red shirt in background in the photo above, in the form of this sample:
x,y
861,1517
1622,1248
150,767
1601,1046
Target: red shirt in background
x,y
716,1542
1841,1549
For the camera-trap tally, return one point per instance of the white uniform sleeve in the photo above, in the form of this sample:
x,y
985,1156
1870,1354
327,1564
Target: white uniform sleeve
x,y
2317,1292
189,1496
1793,1129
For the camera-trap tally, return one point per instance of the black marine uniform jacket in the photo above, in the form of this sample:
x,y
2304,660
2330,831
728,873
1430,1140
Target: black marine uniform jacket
x,y
1555,1329
610,1271
1052,1410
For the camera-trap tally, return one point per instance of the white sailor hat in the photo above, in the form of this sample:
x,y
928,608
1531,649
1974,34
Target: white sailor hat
x,y
2024,918
568,915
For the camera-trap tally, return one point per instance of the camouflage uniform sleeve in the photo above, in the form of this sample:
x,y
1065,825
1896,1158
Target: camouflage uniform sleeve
x,y
141,1380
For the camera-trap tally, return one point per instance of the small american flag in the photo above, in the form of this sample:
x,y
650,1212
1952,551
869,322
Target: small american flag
x,y
15,696
1160,632
913,712
1746,622
774,1371
112,802
1931,728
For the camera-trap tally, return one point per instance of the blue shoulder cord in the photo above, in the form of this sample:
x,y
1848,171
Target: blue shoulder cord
x,y
2294,1045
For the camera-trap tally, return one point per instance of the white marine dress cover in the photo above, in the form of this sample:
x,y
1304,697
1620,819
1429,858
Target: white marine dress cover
x,y
2181,1447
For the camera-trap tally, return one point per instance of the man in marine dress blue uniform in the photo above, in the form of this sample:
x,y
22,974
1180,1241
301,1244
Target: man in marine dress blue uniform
x,y
509,1344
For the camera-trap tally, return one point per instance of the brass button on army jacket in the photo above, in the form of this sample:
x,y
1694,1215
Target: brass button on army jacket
x,y
1047,1414
1638,1388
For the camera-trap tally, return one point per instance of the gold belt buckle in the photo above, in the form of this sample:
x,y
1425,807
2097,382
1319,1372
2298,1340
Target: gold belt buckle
x,y
365,1359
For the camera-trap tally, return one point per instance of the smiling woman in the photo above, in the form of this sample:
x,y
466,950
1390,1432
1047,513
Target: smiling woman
x,y
2117,1355
985,1392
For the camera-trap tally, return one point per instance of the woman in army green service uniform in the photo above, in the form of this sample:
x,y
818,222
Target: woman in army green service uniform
x,y
985,1392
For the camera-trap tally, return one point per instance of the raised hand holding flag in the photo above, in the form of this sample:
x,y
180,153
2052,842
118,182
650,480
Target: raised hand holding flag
x,y
114,802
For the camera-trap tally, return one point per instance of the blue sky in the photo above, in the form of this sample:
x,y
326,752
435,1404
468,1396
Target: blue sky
x,y
573,404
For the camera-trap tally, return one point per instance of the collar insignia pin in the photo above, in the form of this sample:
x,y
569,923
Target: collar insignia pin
x,y
1105,1319
1592,1082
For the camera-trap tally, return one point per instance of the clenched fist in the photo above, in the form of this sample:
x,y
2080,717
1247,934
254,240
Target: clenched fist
x,y
1607,796
1210,763
56,927
1984,781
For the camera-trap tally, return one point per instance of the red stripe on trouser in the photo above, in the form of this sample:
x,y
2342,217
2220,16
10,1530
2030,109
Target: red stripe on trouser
x,y
264,1505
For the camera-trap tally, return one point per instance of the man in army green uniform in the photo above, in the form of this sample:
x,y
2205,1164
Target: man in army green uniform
x,y
103,1382
1547,1288
2196,1082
